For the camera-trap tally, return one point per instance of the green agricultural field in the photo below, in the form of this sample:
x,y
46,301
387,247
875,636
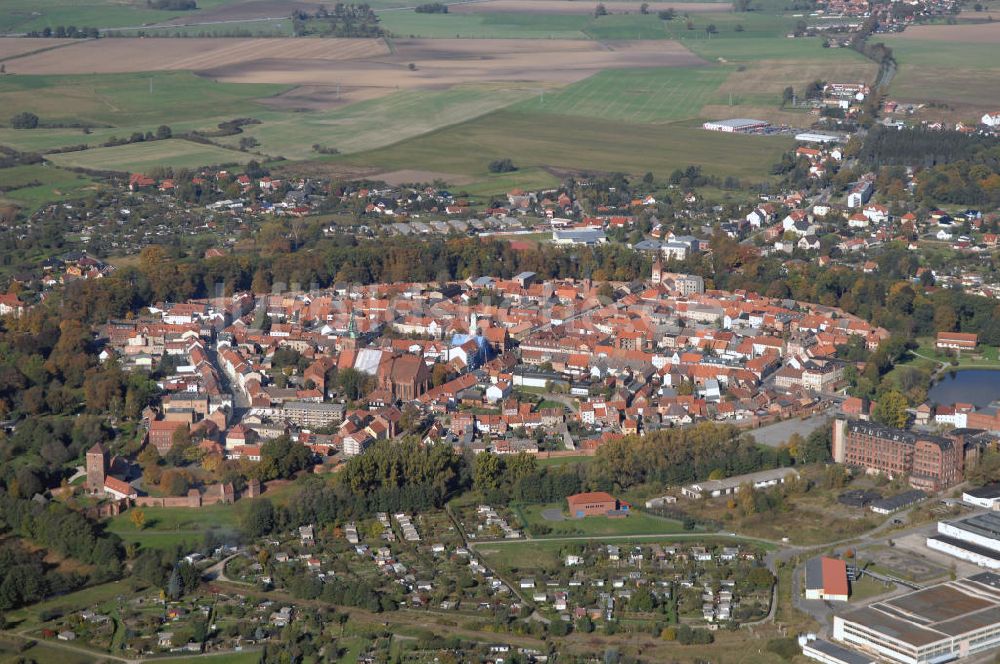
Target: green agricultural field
x,y
636,523
43,140
567,142
492,26
622,27
489,184
24,15
636,95
254,28
125,100
377,122
957,73
141,157
33,186
755,25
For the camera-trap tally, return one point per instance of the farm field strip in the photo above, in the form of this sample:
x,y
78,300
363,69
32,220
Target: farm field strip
x,y
137,157
135,54
576,143
954,65
376,123
636,95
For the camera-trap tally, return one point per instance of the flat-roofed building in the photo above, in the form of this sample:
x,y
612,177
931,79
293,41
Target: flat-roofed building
x,y
737,125
311,413
936,624
831,653
758,480
975,539
985,496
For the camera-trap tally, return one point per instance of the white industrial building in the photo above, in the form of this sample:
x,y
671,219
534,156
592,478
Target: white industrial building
x,y
737,125
987,497
975,539
813,137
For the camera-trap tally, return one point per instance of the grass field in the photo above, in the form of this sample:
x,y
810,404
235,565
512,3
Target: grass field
x,y
176,526
636,95
564,461
613,27
637,523
140,157
482,26
960,73
281,28
53,184
24,15
378,122
620,27
126,100
537,140
74,601
225,658
488,184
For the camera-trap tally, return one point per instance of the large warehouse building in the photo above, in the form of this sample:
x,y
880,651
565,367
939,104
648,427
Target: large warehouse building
x,y
737,125
975,539
937,624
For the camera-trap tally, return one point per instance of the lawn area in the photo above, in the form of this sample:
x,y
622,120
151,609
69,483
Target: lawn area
x,y
167,527
125,100
378,122
984,357
636,523
141,157
555,462
492,26
38,184
636,95
538,140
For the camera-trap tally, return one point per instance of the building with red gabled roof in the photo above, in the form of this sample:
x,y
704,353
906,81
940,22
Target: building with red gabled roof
x,y
595,503
826,579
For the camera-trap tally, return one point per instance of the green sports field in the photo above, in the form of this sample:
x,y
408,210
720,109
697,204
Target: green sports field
x,y
636,95
140,157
